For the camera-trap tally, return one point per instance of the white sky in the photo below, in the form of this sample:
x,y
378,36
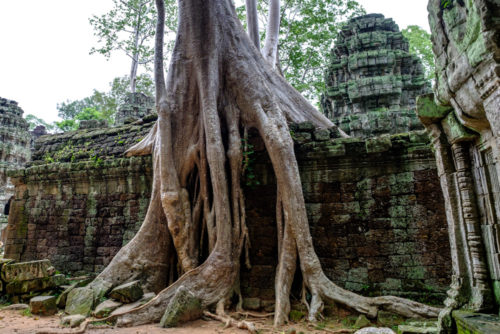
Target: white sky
x,y
44,49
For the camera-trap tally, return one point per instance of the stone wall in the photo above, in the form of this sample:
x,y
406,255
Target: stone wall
x,y
372,80
14,148
80,200
375,210
374,207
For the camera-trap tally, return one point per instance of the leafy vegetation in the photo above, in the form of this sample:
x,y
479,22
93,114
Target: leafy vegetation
x,y
421,46
307,31
100,105
34,121
129,28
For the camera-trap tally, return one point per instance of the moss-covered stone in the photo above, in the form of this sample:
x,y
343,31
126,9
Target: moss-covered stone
x,y
128,292
39,284
105,308
183,307
43,305
476,323
72,320
80,301
366,93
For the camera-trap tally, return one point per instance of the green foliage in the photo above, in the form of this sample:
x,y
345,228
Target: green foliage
x,y
296,316
34,121
67,125
307,30
421,46
248,168
26,312
100,105
100,101
119,87
130,28
446,4
88,113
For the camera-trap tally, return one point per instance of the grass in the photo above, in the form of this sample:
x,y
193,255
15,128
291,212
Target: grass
x,y
26,313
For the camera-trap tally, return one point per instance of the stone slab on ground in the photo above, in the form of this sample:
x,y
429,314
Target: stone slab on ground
x,y
476,323
183,307
375,330
419,327
362,322
105,308
73,320
43,305
127,307
25,271
16,307
61,300
38,284
128,292
80,301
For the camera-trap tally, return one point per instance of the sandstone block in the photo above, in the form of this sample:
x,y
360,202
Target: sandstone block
x,y
39,284
43,305
362,321
183,307
80,301
105,308
25,271
72,320
251,303
128,292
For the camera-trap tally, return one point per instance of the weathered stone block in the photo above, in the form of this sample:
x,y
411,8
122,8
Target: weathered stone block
x,y
105,308
251,303
43,305
468,322
322,135
128,292
39,284
80,301
24,271
73,320
183,307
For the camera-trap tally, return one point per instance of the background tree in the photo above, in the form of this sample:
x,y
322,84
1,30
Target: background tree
x,y
307,31
421,46
218,88
104,103
88,113
34,121
129,27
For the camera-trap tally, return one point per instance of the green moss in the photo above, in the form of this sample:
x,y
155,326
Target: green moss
x,y
296,315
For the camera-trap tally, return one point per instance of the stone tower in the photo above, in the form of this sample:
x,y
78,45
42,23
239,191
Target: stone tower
x,y
14,148
372,80
135,106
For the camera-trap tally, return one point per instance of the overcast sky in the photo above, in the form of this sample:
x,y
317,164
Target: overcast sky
x,y
44,49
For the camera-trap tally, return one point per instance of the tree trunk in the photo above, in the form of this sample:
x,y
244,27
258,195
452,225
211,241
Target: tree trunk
x,y
219,86
253,22
272,33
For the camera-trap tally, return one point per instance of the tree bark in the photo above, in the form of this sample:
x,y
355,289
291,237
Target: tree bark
x,y
218,86
272,33
253,22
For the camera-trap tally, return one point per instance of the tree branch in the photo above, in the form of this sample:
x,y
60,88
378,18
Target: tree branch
x,y
272,33
252,22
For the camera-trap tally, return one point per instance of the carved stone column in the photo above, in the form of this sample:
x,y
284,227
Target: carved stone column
x,y
470,287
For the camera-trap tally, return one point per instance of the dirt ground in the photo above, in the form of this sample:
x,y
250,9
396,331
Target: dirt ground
x,y
14,321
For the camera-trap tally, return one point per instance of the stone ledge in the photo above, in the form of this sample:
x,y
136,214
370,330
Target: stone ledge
x,y
476,323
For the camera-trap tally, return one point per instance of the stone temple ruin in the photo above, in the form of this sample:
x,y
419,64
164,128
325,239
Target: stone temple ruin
x,y
463,118
372,80
14,148
395,209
